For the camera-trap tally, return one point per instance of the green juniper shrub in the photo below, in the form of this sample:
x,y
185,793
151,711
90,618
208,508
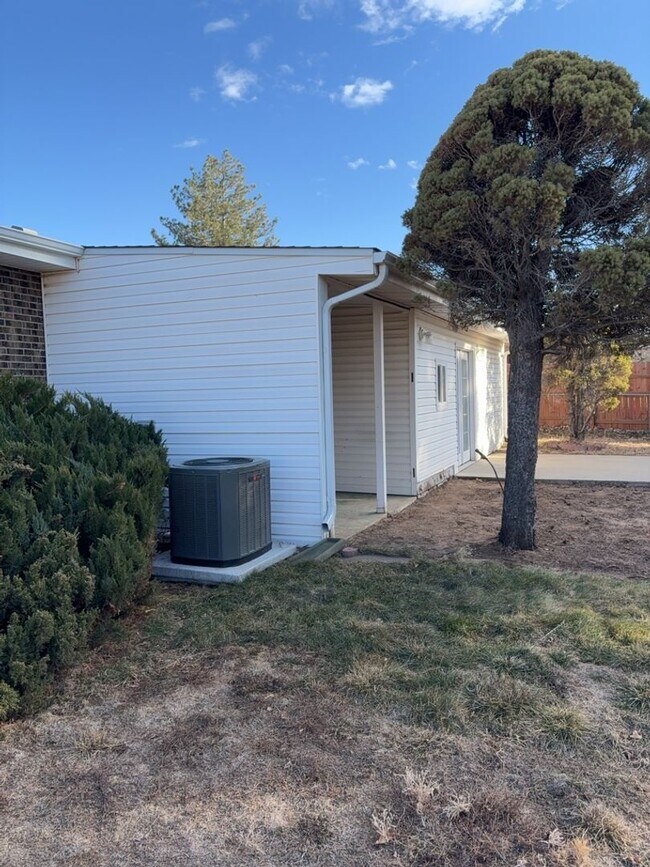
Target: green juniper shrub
x,y
80,495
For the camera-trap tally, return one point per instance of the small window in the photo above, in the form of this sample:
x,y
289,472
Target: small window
x,y
442,384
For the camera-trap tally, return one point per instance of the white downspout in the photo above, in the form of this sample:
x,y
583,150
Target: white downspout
x,y
380,403
328,386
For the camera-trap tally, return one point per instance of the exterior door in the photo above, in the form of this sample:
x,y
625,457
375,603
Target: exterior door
x,y
464,390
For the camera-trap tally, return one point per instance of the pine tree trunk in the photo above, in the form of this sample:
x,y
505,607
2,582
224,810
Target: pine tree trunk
x,y
524,393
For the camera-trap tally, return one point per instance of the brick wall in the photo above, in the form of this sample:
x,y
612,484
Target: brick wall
x,y
22,338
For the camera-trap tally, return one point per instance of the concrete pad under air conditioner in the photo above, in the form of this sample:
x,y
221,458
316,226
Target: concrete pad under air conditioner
x,y
164,570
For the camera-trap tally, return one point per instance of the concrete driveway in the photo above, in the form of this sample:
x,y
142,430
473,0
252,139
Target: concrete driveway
x,y
629,469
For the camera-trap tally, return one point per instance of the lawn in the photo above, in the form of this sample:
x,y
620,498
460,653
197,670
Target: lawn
x,y
599,442
441,712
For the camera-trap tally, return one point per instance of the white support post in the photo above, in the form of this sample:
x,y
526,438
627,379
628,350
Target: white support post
x,y
380,403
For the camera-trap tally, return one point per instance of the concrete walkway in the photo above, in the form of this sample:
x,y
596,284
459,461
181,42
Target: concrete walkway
x,y
629,469
355,512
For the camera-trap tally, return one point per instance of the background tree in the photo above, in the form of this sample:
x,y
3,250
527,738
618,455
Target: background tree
x,y
532,213
219,209
593,377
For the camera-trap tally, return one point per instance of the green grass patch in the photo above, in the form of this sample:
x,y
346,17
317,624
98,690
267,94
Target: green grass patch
x,y
635,695
450,643
564,724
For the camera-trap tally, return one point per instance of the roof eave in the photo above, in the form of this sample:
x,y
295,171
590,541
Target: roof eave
x,y
432,300
32,252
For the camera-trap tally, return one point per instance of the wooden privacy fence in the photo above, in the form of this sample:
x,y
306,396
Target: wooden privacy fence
x,y
632,413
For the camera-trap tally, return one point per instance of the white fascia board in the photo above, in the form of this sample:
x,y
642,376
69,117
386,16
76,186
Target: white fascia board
x,y
24,250
171,250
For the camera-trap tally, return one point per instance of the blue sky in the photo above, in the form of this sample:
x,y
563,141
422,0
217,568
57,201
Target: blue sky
x,y
332,105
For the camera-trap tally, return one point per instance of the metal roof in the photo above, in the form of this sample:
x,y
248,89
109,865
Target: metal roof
x,y
229,247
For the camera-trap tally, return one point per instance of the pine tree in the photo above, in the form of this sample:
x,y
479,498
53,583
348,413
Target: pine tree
x,y
532,213
219,209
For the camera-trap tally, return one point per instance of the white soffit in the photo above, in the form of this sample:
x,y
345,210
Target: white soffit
x,y
33,252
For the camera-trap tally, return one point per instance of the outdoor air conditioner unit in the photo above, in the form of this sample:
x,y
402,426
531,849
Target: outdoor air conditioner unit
x,y
220,510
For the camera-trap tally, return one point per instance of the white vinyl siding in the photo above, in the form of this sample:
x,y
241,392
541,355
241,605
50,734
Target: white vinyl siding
x,y
436,423
354,400
220,348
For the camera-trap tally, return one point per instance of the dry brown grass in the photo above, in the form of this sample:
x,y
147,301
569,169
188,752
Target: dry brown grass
x,y
603,825
580,527
600,442
346,715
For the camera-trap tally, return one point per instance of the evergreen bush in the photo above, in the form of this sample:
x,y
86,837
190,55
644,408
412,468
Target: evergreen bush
x,y
80,495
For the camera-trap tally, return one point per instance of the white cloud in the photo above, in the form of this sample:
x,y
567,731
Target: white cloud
x,y
413,164
235,84
414,184
190,143
390,165
392,38
308,8
196,94
364,92
285,69
358,163
257,48
312,86
384,16
218,26
314,59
